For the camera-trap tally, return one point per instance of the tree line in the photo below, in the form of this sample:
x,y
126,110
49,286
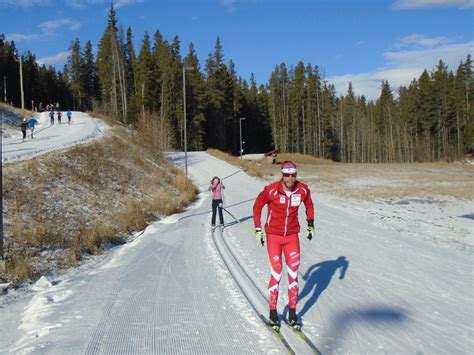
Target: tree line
x,y
297,111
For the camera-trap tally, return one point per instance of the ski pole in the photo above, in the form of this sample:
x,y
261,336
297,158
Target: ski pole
x,y
225,209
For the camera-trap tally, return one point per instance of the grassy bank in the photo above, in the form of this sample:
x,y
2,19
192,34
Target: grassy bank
x,y
62,206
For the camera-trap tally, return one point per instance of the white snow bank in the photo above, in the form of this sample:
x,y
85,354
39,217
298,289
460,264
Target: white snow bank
x,y
51,137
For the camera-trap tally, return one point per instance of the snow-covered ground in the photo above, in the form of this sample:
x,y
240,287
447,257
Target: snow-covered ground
x,y
47,137
368,285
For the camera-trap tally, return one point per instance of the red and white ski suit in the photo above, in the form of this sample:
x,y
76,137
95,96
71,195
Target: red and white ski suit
x,y
282,228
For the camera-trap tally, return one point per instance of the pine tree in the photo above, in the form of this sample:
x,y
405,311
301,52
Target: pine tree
x,y
111,70
90,78
195,102
129,64
76,76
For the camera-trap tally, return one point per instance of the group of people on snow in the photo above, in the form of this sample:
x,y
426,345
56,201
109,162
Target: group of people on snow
x,y
282,198
30,123
59,115
48,107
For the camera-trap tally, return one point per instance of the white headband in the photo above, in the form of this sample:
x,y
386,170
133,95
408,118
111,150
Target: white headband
x,y
288,170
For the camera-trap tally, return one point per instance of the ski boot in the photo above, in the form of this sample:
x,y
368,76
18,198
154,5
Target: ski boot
x,y
274,321
293,319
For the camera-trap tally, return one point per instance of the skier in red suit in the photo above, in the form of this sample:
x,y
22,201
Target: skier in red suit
x,y
283,199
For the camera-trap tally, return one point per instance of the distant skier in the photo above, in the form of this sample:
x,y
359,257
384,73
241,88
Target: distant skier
x,y
24,127
69,117
59,117
32,122
51,116
216,187
283,199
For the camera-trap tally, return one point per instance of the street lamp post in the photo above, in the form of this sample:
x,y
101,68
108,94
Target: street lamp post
x,y
240,129
22,94
184,126
4,89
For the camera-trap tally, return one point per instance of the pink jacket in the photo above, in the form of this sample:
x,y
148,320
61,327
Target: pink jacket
x,y
216,189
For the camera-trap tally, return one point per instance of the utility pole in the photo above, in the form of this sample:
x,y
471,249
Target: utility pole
x,y
184,118
240,130
21,85
4,89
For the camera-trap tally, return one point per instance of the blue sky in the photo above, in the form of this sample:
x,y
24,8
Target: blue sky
x,y
363,42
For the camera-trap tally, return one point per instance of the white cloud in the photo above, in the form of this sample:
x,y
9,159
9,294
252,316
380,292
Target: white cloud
x,y
49,27
121,3
421,4
451,54
82,4
56,59
230,5
18,37
421,41
401,68
23,3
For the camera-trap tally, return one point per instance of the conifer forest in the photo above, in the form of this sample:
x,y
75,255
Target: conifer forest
x,y
296,111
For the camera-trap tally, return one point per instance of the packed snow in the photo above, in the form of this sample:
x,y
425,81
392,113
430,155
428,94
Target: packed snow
x,y
368,284
48,137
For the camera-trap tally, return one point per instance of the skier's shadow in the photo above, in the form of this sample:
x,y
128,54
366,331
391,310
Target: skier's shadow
x,y
318,278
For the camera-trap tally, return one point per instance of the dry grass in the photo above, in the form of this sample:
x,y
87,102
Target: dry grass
x,y
165,203
17,111
79,200
372,181
388,181
93,238
186,188
132,217
251,167
20,266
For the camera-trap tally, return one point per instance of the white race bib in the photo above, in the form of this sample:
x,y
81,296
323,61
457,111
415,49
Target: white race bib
x,y
295,200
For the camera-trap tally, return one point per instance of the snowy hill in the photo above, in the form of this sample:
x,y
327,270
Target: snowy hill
x,y
47,137
366,287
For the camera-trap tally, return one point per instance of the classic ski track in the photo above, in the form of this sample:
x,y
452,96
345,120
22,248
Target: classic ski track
x,y
246,290
99,343
301,334
241,286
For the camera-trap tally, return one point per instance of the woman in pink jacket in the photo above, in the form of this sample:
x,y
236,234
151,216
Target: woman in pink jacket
x,y
216,187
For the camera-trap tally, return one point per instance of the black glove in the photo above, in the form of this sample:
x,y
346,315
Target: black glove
x,y
310,229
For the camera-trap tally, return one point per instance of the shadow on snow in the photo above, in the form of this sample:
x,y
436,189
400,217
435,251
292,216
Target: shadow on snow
x,y
318,278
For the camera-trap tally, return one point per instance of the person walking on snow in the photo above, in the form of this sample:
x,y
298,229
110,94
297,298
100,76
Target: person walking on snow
x,y
283,199
32,122
216,187
69,116
51,116
59,117
24,127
